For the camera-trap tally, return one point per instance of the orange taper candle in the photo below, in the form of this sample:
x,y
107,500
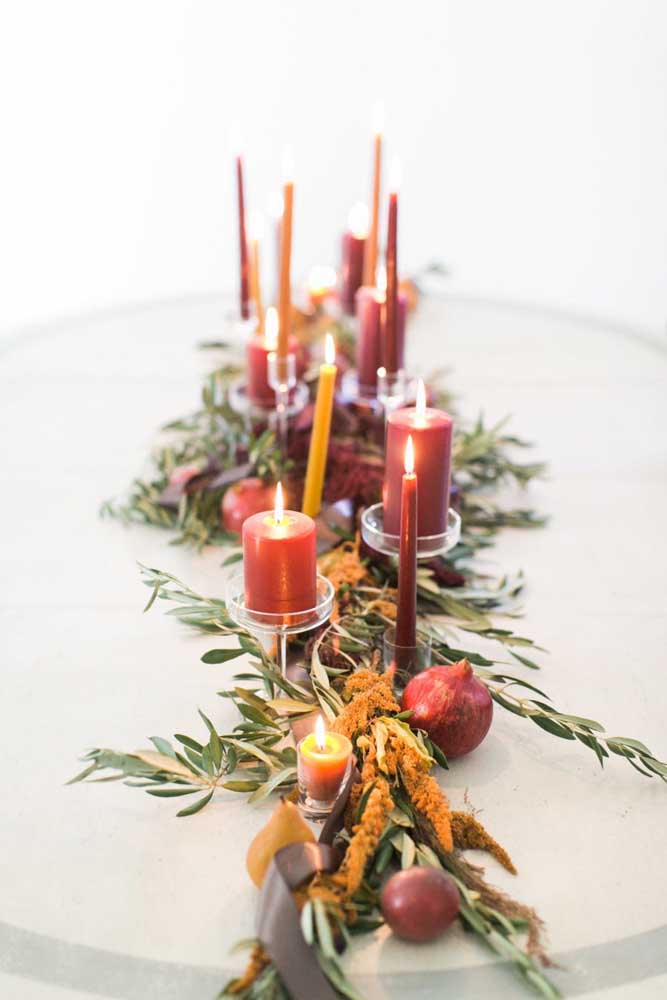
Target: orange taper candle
x,y
371,255
285,296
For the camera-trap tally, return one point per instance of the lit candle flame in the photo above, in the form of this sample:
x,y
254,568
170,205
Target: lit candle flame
x,y
329,349
320,734
321,278
381,280
276,205
378,117
288,165
235,141
271,328
382,372
409,457
358,220
255,227
420,406
278,505
395,175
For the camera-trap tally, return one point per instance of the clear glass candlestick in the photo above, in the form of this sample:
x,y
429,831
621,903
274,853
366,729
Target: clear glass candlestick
x,y
282,379
279,625
405,661
391,389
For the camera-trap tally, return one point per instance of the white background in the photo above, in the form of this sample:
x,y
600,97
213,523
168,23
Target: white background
x,y
533,137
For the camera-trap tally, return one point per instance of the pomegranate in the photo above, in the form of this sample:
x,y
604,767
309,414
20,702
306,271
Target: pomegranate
x,y
451,705
420,903
248,496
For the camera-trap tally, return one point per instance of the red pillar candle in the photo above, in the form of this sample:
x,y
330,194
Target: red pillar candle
x,y
322,762
279,561
352,266
370,303
406,615
390,355
243,243
431,432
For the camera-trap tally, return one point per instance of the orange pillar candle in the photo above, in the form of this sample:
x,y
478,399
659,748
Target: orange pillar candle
x,y
285,293
322,762
279,561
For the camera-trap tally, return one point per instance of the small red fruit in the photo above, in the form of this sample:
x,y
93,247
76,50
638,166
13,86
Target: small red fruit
x,y
248,496
451,705
420,903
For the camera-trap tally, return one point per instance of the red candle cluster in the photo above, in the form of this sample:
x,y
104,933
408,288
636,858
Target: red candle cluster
x,y
279,561
431,432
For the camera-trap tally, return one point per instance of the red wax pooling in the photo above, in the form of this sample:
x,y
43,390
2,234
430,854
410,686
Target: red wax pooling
x,y
370,306
257,376
406,616
432,440
352,269
279,563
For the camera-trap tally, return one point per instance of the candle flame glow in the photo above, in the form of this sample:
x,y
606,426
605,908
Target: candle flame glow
x,y
278,505
409,456
395,173
329,349
288,165
276,205
320,734
378,117
358,220
255,227
381,279
271,328
321,278
382,372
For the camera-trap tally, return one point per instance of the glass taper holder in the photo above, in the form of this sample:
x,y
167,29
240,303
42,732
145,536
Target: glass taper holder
x,y
282,379
391,389
405,661
428,546
266,624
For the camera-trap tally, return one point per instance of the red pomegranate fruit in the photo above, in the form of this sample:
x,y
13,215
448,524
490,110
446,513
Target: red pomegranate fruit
x,y
420,903
248,496
451,705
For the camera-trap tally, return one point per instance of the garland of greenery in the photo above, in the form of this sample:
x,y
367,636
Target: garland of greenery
x,y
458,606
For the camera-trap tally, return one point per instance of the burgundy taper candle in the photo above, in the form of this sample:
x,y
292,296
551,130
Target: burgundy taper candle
x,y
243,243
406,614
390,356
352,258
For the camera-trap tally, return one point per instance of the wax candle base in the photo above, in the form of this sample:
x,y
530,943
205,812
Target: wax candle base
x,y
428,546
405,661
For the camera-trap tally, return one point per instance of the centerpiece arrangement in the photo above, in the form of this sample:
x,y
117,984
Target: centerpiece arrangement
x,y
375,642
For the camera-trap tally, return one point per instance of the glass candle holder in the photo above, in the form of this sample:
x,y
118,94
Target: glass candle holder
x,y
323,760
405,661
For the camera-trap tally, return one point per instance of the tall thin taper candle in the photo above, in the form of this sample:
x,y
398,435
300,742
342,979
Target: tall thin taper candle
x,y
285,299
255,286
390,356
243,243
406,616
371,254
319,438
